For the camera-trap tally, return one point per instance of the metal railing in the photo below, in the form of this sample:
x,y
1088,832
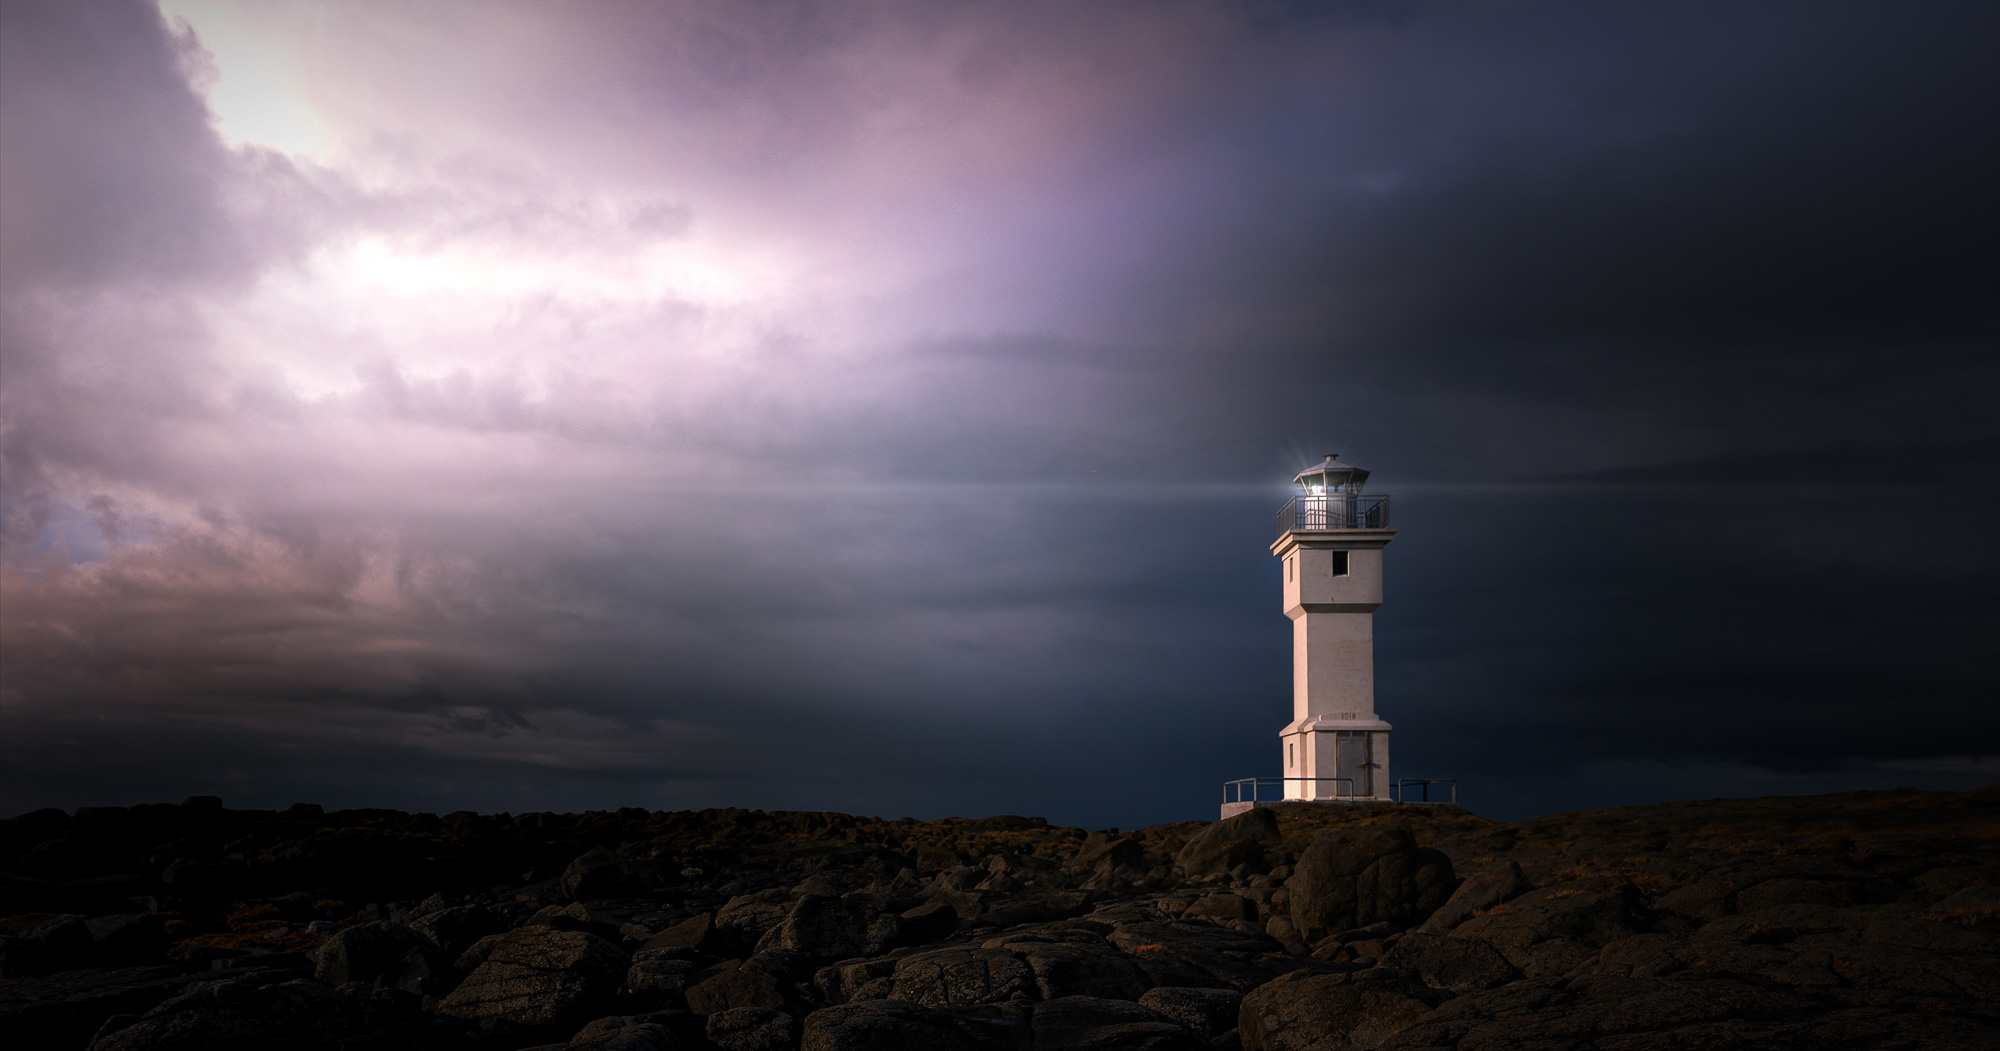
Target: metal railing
x,y
1250,789
1400,791
1233,791
1334,511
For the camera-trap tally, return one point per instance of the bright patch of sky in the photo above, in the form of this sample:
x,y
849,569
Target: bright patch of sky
x,y
448,303
258,95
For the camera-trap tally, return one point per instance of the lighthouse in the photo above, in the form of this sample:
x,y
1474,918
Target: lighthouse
x,y
1330,539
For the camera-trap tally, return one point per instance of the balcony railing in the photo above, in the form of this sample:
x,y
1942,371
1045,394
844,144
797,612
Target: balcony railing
x,y
1334,511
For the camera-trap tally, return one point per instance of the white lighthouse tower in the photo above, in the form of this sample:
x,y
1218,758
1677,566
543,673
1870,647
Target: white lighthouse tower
x,y
1330,538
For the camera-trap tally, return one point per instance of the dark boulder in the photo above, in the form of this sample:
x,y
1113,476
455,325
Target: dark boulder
x,y
387,1018
1210,1012
1702,900
696,932
128,938
476,954
750,1029
1282,930
227,1016
742,921
360,954
1142,937
454,929
1773,893
651,1031
1199,970
1038,907
936,857
1089,968
187,875
785,964
1603,1011
658,977
962,976
45,943
1197,955
1104,853
63,1010
1480,891
883,1025
110,1026
265,960
856,980
1457,965
22,956
1968,906
421,971
575,917
1551,933
834,928
928,922
1077,1023
960,878
1304,1011
641,1037
1940,883
1224,906
1243,839
1353,877
970,904
599,873
733,985
541,978
1642,955
1555,930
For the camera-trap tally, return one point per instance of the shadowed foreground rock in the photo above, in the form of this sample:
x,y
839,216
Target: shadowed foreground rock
x,y
540,978
1351,878
1864,920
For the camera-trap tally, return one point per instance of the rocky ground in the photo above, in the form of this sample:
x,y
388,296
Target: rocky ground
x,y
1863,920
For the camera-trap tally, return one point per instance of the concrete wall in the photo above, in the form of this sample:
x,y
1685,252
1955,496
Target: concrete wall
x,y
1333,656
1333,665
1312,586
1311,755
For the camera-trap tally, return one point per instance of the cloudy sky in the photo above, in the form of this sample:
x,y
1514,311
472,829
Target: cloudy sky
x,y
883,406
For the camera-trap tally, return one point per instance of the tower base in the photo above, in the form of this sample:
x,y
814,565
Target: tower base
x,y
1344,758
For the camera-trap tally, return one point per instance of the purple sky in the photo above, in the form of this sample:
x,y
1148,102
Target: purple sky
x,y
882,406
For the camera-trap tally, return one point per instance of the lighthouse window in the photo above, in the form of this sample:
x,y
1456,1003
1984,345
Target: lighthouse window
x,y
1339,563
1288,569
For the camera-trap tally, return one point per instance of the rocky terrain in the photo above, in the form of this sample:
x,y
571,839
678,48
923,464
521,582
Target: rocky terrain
x,y
1862,920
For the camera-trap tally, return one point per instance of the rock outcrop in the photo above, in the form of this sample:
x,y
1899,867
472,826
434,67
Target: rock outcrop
x,y
1858,920
540,978
1353,878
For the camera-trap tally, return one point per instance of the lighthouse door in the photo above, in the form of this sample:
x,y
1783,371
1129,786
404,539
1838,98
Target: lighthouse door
x,y
1350,755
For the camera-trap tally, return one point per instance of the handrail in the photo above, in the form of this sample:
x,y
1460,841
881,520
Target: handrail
x,y
1400,791
1334,511
1257,783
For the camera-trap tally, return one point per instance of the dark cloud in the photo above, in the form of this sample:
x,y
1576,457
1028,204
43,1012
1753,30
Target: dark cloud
x,y
110,169
411,476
